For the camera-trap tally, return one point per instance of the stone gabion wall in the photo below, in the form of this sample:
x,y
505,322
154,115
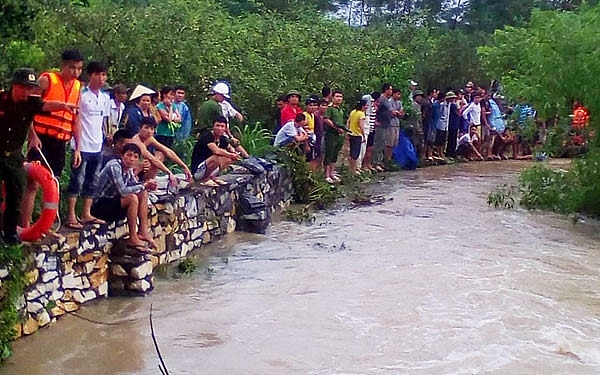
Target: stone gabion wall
x,y
67,271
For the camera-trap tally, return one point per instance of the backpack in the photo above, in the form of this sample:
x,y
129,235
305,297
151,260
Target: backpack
x,y
253,165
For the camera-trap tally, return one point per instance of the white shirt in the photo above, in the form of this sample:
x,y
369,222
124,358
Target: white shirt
x,y
368,113
466,139
92,111
228,110
473,114
286,134
115,115
444,120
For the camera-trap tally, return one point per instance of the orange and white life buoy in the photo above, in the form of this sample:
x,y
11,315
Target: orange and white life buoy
x,y
50,202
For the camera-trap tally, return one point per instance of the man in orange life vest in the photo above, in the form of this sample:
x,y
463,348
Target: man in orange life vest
x,y
51,132
17,108
580,117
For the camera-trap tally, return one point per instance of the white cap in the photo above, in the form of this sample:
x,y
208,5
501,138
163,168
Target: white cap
x,y
221,88
413,83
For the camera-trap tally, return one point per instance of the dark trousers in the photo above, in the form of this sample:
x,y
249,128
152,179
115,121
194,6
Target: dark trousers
x,y
13,176
452,138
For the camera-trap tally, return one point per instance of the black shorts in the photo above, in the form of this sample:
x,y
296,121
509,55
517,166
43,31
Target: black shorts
x,y
371,139
165,140
440,137
54,151
109,209
355,145
464,150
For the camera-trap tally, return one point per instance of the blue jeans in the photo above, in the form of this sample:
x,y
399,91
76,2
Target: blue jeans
x,y
83,178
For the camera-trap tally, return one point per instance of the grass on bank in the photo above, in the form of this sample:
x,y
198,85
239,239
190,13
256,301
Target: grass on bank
x,y
11,291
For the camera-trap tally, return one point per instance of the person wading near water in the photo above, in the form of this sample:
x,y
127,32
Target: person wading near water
x,y
17,108
54,130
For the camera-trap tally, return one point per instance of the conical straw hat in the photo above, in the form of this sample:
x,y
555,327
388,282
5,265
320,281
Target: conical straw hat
x,y
141,90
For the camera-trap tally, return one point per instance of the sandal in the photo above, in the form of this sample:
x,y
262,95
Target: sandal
x,y
219,181
94,221
209,183
329,180
74,225
140,248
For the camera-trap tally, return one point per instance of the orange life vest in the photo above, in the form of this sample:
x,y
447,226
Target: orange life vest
x,y
58,124
581,118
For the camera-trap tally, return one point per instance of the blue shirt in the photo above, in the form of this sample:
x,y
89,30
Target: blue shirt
x,y
186,120
495,118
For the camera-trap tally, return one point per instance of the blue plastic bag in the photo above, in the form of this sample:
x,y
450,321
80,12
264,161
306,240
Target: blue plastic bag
x,y
405,153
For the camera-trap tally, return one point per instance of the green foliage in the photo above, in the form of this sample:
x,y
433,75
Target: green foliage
x,y
300,215
254,138
530,61
308,187
557,138
502,197
184,148
18,54
12,288
323,194
187,266
529,130
549,189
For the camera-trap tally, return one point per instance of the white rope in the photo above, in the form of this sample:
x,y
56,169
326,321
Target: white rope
x,y
57,219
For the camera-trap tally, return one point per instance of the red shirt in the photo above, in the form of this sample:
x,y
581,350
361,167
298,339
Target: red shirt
x,y
288,113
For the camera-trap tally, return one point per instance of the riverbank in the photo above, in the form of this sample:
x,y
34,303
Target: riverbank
x,y
431,281
64,272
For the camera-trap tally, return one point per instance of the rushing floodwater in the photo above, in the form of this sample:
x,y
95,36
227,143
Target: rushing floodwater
x,y
431,282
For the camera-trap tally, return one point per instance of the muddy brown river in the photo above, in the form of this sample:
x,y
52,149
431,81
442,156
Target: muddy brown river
x,y
432,281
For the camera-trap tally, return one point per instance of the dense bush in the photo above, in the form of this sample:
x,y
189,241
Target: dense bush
x,y
566,191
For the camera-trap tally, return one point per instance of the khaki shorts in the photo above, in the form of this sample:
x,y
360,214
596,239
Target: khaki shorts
x,y
391,136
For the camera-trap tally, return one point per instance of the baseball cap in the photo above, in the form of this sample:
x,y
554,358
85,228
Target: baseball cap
x,y
25,77
417,93
221,88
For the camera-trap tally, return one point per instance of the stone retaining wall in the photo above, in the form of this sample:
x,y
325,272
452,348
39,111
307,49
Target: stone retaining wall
x,y
77,267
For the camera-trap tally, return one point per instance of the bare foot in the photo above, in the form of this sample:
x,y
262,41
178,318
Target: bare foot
x,y
139,246
148,238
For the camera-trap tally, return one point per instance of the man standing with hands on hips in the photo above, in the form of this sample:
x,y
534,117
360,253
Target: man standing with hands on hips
x,y
17,108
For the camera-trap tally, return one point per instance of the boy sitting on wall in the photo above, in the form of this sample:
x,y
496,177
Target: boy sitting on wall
x,y
212,154
119,194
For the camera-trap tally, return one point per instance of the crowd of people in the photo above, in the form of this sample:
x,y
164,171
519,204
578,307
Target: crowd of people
x,y
467,124
120,140
118,143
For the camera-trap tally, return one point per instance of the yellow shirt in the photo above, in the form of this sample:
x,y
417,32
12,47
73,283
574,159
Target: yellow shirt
x,y
310,121
354,121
